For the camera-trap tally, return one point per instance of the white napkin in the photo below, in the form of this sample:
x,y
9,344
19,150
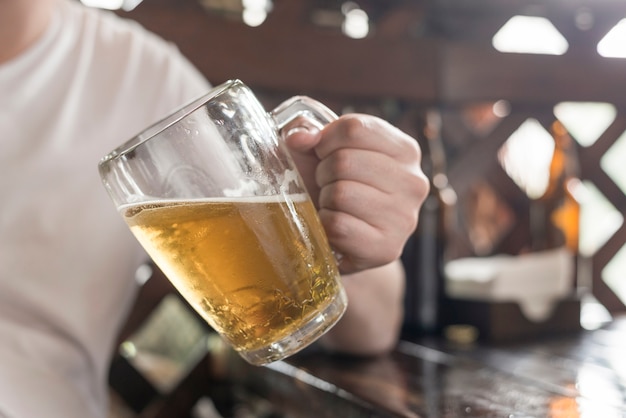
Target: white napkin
x,y
536,281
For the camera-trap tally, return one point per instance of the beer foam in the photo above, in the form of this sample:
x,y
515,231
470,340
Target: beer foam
x,y
246,187
289,177
296,197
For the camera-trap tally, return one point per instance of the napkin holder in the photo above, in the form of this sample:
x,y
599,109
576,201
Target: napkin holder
x,y
513,298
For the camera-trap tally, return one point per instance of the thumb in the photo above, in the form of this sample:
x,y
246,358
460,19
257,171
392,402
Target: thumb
x,y
301,143
302,139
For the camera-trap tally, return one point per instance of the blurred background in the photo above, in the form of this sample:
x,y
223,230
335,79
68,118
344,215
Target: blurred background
x,y
499,93
490,69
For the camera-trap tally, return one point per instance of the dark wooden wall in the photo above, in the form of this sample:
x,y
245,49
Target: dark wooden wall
x,y
422,55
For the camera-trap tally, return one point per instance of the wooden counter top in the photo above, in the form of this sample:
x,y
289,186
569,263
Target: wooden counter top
x,y
583,374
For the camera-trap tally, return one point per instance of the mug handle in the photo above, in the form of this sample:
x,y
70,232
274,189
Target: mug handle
x,y
310,112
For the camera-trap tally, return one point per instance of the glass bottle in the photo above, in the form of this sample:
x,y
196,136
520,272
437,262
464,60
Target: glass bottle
x,y
555,215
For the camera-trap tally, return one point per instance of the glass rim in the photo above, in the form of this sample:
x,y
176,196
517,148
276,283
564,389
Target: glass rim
x,y
168,121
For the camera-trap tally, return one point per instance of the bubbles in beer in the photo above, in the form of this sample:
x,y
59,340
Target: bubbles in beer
x,y
255,268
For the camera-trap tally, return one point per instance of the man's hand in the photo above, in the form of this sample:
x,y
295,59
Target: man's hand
x,y
364,176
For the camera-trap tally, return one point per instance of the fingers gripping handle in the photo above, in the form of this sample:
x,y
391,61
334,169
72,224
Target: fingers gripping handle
x,y
301,112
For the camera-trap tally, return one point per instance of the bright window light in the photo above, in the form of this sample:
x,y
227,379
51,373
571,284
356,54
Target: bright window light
x,y
530,35
612,162
613,274
613,45
526,157
599,219
586,121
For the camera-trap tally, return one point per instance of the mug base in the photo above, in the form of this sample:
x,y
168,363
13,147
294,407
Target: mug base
x,y
302,338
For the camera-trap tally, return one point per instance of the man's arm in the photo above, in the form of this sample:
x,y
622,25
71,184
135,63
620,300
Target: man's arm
x,y
372,323
365,178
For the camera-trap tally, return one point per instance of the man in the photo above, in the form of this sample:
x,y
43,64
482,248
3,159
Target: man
x,y
74,84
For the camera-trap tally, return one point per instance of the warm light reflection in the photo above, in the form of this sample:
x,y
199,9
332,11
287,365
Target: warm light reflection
x,y
585,121
613,45
487,216
530,34
564,407
599,391
483,117
526,157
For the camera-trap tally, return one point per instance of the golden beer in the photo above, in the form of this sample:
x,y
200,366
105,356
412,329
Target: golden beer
x,y
256,269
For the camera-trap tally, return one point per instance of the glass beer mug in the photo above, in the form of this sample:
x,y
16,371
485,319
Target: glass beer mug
x,y
213,196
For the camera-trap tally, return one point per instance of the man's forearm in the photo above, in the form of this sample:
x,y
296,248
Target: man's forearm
x,y
371,324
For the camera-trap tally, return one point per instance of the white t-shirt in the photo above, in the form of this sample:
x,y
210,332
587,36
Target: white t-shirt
x,y
67,260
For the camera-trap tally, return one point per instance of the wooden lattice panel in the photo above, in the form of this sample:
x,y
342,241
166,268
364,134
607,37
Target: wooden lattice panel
x,y
473,164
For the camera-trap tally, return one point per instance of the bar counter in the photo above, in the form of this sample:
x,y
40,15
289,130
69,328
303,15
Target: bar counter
x,y
582,374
